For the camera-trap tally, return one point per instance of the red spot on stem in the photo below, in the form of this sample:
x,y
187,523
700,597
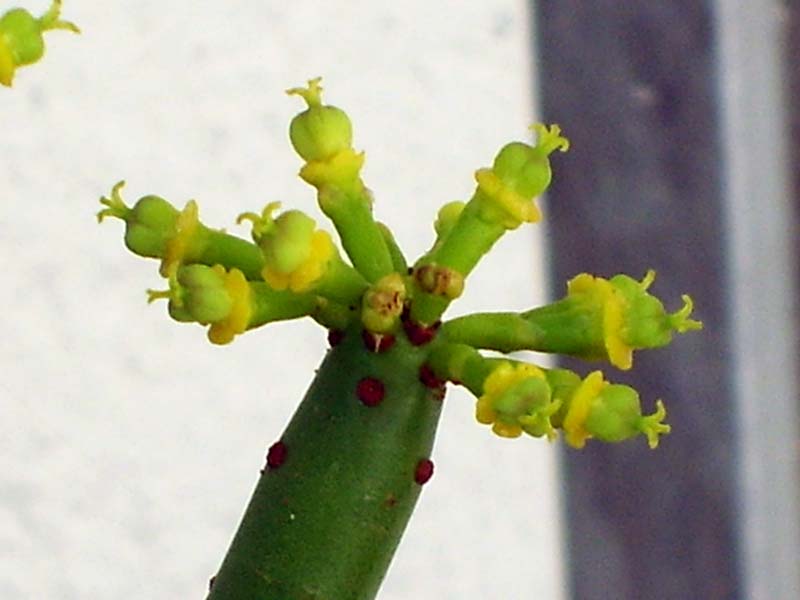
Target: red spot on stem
x,y
370,391
335,337
420,335
276,455
424,471
429,380
377,342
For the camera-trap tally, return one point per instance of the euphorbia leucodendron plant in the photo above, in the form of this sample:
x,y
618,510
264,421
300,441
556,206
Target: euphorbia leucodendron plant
x,y
340,484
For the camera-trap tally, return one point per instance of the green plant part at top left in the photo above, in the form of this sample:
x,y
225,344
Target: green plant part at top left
x,y
22,40
340,483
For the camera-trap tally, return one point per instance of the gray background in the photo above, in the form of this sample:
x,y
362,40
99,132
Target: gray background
x,y
130,445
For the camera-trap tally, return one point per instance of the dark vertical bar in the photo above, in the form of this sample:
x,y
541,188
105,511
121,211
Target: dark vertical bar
x,y
792,51
632,83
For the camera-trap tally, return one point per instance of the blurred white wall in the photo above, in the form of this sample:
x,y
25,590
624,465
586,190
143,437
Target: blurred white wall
x,y
129,444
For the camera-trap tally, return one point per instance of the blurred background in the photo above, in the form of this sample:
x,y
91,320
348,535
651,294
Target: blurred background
x,y
130,445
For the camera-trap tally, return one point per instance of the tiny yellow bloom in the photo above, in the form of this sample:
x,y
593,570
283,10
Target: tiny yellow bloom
x,y
580,405
223,332
510,404
600,290
177,246
303,277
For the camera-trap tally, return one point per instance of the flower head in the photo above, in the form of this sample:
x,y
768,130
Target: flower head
x,y
520,173
608,319
296,254
210,296
631,317
149,224
320,132
611,413
516,398
21,40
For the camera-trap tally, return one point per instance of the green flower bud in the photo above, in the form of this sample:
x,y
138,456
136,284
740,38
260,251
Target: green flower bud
x,y
149,225
517,397
211,296
608,319
320,132
21,41
616,415
203,294
647,323
296,254
288,244
520,173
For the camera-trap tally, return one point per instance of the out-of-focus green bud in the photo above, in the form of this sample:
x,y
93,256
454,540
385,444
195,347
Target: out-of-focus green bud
x,y
149,225
447,217
647,323
320,132
288,244
21,41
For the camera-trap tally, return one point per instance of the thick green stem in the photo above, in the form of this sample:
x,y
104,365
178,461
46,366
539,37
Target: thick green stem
x,y
460,250
504,332
215,247
461,364
324,522
362,240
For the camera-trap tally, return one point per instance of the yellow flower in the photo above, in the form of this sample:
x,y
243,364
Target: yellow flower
x,y
611,413
296,255
516,398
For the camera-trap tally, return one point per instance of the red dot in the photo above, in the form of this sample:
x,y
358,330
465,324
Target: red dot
x,y
370,391
335,337
424,471
429,380
276,455
419,335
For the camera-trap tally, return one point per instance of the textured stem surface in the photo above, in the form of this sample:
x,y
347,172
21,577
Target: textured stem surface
x,y
325,522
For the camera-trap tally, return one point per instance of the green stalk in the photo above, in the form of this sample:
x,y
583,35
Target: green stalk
x,y
325,523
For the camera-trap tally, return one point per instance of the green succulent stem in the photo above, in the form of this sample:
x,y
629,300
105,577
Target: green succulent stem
x,y
501,331
469,239
271,305
461,364
341,283
399,263
215,247
350,211
325,522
